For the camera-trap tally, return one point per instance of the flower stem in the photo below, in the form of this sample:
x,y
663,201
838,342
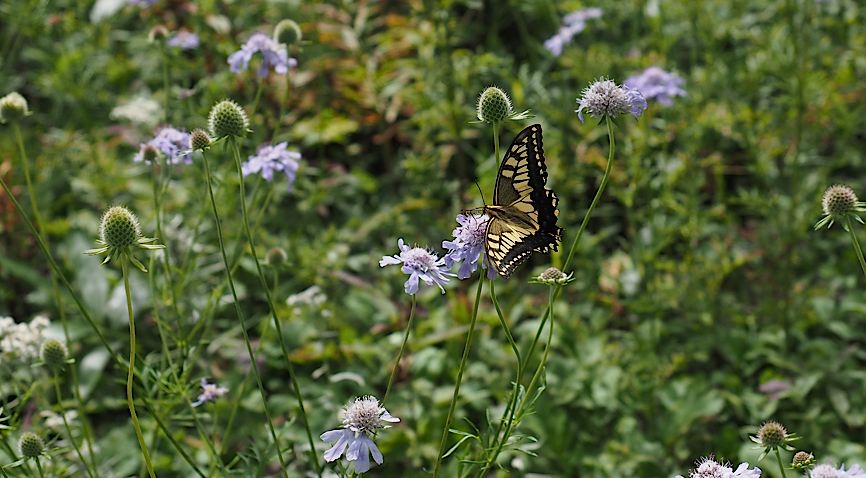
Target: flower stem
x,y
39,467
856,243
241,316
292,376
779,460
496,143
59,397
171,438
400,353
207,440
466,347
124,266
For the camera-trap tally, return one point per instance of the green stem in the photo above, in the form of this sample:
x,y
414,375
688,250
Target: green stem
x,y
496,143
258,95
215,457
466,347
400,353
39,467
240,313
283,105
779,460
171,438
292,376
68,428
856,243
124,266
165,87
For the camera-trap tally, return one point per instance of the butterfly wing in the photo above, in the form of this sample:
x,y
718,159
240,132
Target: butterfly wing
x,y
524,219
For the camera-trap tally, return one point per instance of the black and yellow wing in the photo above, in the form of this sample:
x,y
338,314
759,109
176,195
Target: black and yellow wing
x,y
523,214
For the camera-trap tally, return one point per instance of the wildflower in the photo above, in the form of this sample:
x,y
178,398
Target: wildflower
x,y
604,98
494,106
13,107
276,256
657,84
199,140
287,32
54,421
710,468
840,204
209,393
227,118
803,461
183,40
773,436
20,344
30,445
362,419
828,471
573,23
274,158
273,55
553,276
54,354
119,234
172,142
157,33
419,264
468,245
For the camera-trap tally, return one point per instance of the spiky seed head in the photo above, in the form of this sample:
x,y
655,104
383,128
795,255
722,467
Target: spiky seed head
x,y
772,435
803,461
150,153
839,200
287,32
199,140
119,228
494,106
227,118
54,354
276,256
13,107
551,274
30,445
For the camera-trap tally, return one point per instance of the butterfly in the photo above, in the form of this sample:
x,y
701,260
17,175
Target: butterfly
x,y
523,214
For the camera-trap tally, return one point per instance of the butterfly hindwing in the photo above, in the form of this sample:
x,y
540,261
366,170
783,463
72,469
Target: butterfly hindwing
x,y
523,215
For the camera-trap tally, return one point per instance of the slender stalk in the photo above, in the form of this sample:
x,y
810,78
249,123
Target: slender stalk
x,y
215,457
496,143
165,86
59,397
124,265
856,243
466,347
171,438
292,376
779,460
283,104
39,467
400,353
240,313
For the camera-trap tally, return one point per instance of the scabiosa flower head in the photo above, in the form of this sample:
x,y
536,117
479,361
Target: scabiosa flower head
x,y
20,343
572,24
276,256
183,40
493,105
273,55
209,393
604,98
840,204
362,419
30,445
419,264
710,468
119,235
657,84
468,245
54,354
227,118
157,33
172,142
772,435
287,32
13,107
274,158
199,140
828,471
553,276
803,461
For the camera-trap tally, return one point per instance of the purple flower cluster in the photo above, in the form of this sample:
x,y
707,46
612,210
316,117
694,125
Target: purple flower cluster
x,y
209,393
657,84
184,40
274,158
419,264
605,98
362,419
710,468
274,55
572,24
468,245
172,142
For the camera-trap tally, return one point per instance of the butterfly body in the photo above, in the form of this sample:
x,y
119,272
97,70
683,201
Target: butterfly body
x,y
523,214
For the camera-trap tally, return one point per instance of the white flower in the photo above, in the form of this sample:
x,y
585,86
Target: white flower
x,y
361,420
710,468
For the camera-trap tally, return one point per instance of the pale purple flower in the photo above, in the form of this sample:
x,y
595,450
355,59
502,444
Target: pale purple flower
x,y
827,471
657,84
209,393
572,24
184,40
172,142
419,264
142,3
606,98
274,55
468,245
274,158
710,468
362,419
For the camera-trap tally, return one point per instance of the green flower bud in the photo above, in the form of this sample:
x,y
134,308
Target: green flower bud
x,y
287,32
494,106
227,118
772,435
119,228
276,256
150,153
13,107
803,461
30,445
839,200
199,140
54,354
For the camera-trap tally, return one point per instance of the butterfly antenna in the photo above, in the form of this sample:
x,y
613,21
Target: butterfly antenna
x,y
481,193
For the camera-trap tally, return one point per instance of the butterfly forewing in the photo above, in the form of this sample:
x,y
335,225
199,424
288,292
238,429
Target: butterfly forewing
x,y
523,215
